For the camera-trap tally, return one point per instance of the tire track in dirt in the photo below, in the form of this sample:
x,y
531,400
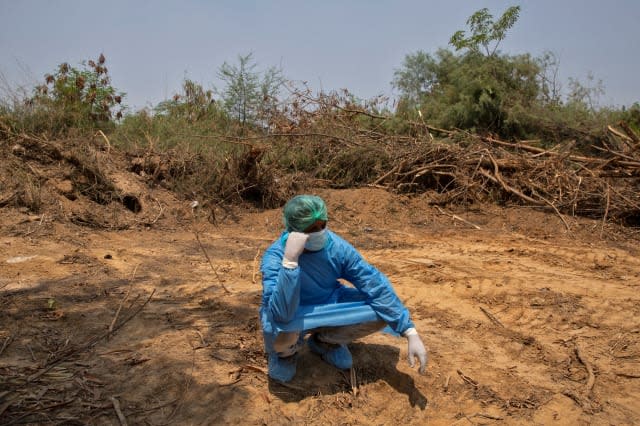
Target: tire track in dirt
x,y
544,296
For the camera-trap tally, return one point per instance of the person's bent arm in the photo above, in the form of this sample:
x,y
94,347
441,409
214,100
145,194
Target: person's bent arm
x,y
380,294
383,299
281,279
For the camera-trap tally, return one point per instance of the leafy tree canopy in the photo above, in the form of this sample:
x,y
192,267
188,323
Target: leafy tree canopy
x,y
485,31
250,96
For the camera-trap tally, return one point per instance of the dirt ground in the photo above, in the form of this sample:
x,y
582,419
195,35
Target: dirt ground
x,y
525,322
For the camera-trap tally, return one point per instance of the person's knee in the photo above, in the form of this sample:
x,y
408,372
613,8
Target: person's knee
x,y
378,325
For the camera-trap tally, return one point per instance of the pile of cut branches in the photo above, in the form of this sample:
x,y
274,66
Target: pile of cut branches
x,y
459,167
486,169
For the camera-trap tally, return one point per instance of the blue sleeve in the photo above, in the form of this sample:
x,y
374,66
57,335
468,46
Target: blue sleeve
x,y
381,296
280,286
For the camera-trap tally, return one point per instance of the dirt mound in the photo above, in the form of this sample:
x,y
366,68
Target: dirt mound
x,y
79,181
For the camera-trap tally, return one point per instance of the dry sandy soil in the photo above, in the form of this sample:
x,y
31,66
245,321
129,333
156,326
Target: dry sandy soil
x,y
525,322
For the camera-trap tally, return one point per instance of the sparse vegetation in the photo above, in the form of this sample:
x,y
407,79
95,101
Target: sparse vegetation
x,y
245,142
250,96
70,100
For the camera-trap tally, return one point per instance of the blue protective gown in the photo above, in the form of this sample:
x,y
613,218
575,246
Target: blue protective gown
x,y
310,296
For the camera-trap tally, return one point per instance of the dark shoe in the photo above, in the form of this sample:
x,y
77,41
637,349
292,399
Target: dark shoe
x,y
336,355
282,369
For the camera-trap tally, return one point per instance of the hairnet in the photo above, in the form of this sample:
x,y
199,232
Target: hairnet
x,y
302,211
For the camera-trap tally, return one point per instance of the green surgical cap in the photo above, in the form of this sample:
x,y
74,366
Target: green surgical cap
x,y
302,211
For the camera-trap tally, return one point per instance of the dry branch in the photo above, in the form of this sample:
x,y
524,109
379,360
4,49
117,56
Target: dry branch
x,y
226,290
5,344
621,135
467,379
487,416
606,211
116,408
592,378
255,267
509,188
126,296
456,217
634,137
491,317
628,375
353,380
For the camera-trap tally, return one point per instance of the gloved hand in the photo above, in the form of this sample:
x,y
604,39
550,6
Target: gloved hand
x,y
416,349
293,249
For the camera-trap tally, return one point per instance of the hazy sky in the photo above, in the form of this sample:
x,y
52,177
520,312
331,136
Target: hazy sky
x,y
151,46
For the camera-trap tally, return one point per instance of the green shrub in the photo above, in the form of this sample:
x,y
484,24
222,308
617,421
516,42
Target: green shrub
x,y
470,91
70,100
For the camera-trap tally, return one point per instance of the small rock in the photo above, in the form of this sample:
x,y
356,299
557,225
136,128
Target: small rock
x,y
537,302
18,149
65,187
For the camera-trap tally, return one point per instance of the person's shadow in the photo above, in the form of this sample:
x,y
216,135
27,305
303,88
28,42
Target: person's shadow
x,y
372,363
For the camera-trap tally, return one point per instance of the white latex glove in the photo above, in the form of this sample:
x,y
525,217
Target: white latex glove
x,y
293,249
416,349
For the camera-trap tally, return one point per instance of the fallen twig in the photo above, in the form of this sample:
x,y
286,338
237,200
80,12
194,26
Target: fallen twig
x,y
354,381
621,135
581,401
628,375
35,229
467,379
6,343
255,269
491,317
456,217
8,402
487,416
126,296
386,175
116,407
106,139
550,204
433,129
33,357
203,344
255,368
7,200
446,383
159,214
592,378
629,131
226,290
498,178
606,211
533,149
